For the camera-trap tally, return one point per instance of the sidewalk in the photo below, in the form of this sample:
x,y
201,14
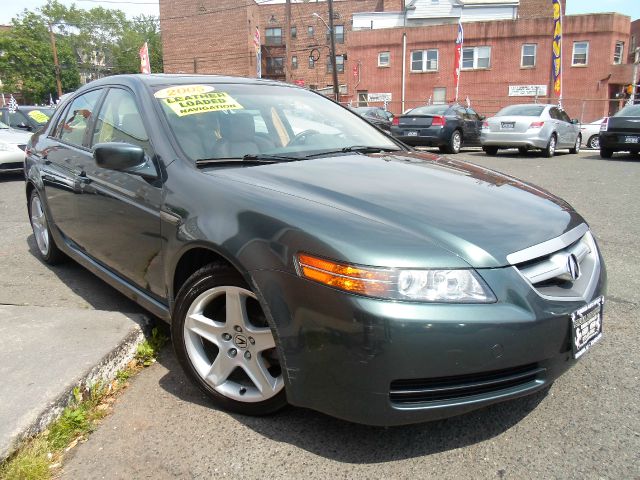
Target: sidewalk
x,y
46,351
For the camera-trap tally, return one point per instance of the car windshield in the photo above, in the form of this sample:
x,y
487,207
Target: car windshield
x,y
39,115
629,111
429,110
230,121
521,111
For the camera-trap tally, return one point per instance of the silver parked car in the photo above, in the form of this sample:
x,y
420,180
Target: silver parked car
x,y
531,126
591,134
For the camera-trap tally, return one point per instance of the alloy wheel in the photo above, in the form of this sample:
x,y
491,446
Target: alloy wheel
x,y
39,224
594,142
552,145
231,347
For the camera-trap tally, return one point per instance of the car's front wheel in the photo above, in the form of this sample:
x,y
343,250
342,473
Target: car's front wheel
x,y
576,147
47,248
224,343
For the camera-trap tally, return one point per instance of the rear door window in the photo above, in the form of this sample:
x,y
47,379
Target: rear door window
x,y
78,118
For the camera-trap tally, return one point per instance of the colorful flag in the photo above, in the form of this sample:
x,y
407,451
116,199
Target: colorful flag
x,y
13,105
458,59
256,44
145,65
557,48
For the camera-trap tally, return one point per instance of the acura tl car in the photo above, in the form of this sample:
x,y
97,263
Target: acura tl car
x,y
531,126
337,270
448,127
621,132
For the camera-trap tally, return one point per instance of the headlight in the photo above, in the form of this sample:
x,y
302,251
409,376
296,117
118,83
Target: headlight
x,y
451,286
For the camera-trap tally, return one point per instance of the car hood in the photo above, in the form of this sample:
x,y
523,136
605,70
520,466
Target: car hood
x,y
473,212
10,135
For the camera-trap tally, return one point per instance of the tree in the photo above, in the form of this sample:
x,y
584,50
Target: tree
x,y
125,53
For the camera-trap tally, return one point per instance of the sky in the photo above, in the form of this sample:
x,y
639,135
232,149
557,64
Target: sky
x,y
11,8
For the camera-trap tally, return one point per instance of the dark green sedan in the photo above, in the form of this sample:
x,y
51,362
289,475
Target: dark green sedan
x,y
303,256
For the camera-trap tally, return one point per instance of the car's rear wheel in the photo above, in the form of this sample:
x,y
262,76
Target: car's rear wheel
x,y
455,142
523,150
490,150
47,248
605,152
224,343
576,147
550,149
594,142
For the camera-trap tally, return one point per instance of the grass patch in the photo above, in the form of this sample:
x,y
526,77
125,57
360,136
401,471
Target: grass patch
x,y
40,458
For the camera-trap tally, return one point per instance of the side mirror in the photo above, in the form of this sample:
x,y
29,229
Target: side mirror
x,y
481,117
118,156
575,121
23,126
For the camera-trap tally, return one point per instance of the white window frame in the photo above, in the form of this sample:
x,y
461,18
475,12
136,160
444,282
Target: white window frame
x,y
476,57
380,62
425,61
535,55
573,55
618,57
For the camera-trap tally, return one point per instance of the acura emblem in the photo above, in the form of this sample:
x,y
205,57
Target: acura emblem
x,y
573,267
240,341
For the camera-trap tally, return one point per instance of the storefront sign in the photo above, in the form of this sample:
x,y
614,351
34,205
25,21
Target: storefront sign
x,y
527,90
379,97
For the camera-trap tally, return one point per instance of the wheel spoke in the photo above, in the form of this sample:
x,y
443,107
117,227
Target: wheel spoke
x,y
236,312
263,339
261,377
220,369
205,327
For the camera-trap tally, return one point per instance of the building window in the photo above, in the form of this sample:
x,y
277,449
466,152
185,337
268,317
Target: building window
x,y
528,55
294,32
424,60
338,33
310,31
580,53
439,95
273,36
339,64
384,58
275,65
474,58
312,62
294,62
618,53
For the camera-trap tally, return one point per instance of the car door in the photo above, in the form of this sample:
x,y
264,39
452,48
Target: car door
x,y
65,160
560,126
474,125
121,209
571,129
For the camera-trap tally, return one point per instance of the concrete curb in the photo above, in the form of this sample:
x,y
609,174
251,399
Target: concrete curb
x,y
104,370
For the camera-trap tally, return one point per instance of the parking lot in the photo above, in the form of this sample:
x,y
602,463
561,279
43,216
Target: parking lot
x,y
586,426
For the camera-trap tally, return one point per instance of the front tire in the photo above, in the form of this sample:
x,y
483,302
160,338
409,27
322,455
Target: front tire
x,y
455,142
223,341
48,251
550,149
523,150
576,148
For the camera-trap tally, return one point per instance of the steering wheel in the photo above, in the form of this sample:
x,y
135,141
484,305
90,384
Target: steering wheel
x,y
301,137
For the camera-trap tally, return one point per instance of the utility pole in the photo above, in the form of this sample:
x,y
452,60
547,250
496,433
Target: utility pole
x,y
336,87
287,39
55,60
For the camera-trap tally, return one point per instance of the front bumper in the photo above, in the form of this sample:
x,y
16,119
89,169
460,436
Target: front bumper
x,y
12,161
529,139
343,354
616,142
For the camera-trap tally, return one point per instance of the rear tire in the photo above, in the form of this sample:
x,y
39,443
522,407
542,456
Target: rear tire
x,y
48,251
490,150
576,148
455,142
523,150
550,149
223,342
606,152
594,142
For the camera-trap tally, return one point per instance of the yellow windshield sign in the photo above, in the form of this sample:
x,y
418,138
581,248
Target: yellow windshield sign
x,y
39,116
194,99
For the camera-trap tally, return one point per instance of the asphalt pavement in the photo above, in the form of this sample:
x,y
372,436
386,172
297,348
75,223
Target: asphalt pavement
x,y
587,425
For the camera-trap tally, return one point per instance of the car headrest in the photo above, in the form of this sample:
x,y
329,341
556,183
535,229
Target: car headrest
x,y
240,127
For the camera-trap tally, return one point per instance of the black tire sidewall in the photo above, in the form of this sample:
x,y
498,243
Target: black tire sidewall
x,y
54,254
205,279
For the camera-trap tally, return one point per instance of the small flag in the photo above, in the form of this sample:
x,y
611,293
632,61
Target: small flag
x,y
13,105
51,102
256,44
145,65
458,58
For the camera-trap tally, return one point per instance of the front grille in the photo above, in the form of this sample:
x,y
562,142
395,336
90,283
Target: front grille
x,y
547,266
462,386
22,147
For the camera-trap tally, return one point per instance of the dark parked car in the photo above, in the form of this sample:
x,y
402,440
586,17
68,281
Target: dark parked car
x,y
376,116
336,270
449,127
621,133
30,118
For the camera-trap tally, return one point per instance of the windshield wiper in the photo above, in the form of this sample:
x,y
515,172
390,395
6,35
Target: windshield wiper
x,y
355,148
249,159
269,158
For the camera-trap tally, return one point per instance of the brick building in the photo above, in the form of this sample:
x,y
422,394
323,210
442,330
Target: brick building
x,y
502,58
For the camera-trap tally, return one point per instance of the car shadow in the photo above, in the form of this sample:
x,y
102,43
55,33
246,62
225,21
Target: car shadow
x,y
347,442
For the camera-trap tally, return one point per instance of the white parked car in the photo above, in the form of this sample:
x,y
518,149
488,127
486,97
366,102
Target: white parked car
x,y
12,145
591,134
